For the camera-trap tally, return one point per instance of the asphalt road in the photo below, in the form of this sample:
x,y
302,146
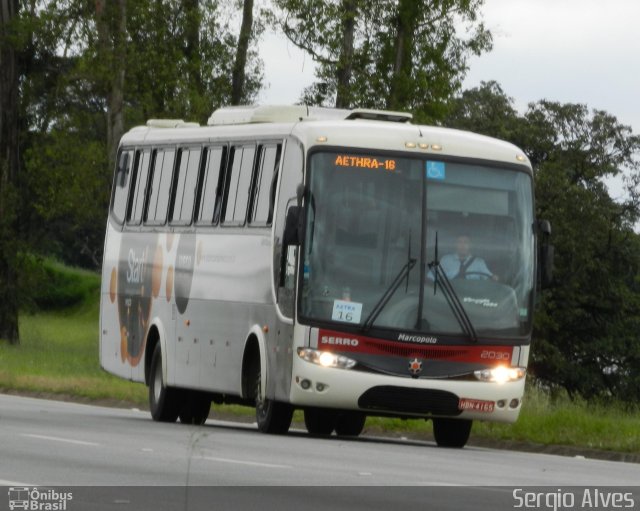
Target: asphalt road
x,y
57,444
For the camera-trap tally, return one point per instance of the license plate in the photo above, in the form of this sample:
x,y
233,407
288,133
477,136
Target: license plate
x,y
475,405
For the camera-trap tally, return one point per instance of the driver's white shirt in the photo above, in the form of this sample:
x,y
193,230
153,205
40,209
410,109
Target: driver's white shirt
x,y
450,263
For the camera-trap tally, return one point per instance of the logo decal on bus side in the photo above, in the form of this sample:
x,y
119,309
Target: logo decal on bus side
x,y
138,279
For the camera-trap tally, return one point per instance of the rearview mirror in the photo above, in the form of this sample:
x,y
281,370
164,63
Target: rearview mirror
x,y
292,226
293,235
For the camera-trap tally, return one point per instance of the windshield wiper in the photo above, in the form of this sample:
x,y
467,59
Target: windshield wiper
x,y
384,299
441,280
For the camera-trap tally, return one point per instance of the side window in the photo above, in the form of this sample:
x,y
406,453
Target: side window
x,y
137,195
210,195
160,186
185,182
121,185
237,185
262,208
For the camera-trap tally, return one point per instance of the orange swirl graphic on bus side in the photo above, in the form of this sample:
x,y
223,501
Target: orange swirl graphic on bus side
x,y
156,273
169,286
113,285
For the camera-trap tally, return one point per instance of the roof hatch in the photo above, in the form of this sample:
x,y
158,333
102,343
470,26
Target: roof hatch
x,y
296,113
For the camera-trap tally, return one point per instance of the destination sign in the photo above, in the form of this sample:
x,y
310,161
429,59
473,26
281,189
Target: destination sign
x,y
365,162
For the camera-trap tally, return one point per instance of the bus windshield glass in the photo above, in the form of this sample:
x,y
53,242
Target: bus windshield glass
x,y
381,229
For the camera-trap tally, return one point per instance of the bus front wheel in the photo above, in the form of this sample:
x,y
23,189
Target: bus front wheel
x,y
164,401
320,421
350,423
451,432
272,416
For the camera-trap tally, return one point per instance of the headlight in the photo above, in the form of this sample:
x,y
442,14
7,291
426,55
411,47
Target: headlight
x,y
326,358
500,374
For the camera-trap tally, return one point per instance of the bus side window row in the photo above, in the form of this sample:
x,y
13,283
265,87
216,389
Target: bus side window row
x,y
216,184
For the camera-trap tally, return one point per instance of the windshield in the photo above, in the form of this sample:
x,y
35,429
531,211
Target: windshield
x,y
371,257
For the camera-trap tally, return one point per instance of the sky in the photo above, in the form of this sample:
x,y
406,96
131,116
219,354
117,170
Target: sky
x,y
571,51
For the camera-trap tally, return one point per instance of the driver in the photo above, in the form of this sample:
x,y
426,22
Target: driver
x,y
464,265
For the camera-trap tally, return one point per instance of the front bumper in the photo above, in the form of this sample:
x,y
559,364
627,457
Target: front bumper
x,y
379,394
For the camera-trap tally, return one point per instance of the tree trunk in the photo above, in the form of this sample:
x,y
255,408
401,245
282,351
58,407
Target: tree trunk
x,y
9,163
192,49
345,63
406,23
238,78
116,100
112,29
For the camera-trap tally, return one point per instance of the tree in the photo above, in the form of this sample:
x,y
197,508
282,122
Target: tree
x,y
110,19
238,74
180,59
177,58
406,24
9,166
586,333
407,55
344,66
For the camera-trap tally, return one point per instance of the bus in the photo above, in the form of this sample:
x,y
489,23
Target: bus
x,y
291,257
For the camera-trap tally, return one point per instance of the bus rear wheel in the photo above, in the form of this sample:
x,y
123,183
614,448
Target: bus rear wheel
x,y
350,423
195,409
272,417
451,432
164,402
320,421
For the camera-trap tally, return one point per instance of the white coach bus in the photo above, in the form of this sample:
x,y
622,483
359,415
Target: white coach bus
x,y
346,263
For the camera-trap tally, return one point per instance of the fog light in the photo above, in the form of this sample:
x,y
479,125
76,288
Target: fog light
x,y
501,403
514,403
305,384
320,387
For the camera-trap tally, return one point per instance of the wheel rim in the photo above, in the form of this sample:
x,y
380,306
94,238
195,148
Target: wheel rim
x,y
262,404
157,383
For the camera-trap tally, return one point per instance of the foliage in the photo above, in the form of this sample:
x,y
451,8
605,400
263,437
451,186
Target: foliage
x,y
53,286
586,335
177,63
408,55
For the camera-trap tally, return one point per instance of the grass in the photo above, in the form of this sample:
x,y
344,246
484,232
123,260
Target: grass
x,y
58,355
547,420
562,421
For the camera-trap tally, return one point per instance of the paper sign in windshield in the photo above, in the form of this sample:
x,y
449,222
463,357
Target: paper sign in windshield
x,y
347,312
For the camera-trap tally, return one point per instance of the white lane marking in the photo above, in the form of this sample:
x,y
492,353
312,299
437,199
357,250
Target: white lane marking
x,y
4,482
435,483
58,439
241,462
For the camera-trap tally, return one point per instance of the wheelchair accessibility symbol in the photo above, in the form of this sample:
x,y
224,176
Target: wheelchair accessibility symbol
x,y
435,170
